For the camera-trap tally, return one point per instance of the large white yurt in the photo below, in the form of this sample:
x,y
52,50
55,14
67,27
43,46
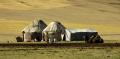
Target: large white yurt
x,y
37,26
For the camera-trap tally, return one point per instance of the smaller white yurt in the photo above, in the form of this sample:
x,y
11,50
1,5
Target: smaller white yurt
x,y
53,32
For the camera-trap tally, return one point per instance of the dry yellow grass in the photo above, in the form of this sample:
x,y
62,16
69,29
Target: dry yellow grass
x,y
12,28
32,4
60,53
15,26
101,15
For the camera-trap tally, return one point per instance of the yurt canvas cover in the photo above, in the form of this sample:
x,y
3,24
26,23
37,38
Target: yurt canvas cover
x,y
36,26
54,27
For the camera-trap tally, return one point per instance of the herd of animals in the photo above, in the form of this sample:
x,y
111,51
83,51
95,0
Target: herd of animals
x,y
54,32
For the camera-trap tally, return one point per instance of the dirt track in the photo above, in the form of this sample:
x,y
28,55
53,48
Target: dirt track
x,y
56,45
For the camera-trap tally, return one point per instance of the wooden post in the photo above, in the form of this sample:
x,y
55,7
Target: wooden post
x,y
23,32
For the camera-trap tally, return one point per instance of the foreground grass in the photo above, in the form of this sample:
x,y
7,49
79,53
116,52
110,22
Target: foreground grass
x,y
61,53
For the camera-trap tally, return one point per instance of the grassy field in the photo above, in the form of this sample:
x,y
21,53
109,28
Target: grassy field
x,y
103,16
61,53
12,28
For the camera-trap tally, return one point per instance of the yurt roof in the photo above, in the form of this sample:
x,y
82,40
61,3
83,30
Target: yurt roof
x,y
33,27
53,26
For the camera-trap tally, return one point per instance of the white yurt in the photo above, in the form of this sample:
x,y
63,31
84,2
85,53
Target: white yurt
x,y
54,31
37,26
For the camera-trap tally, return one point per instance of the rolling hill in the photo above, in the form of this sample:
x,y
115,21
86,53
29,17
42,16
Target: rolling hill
x,y
73,10
102,15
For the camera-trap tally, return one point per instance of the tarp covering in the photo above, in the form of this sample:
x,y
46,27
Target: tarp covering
x,y
77,34
81,30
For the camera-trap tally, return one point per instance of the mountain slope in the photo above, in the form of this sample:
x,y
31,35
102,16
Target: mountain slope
x,y
31,4
102,15
96,11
